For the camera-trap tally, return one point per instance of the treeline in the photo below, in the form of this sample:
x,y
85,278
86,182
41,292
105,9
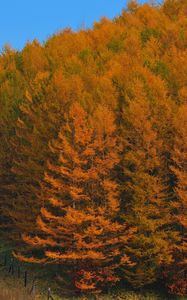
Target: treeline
x,y
93,152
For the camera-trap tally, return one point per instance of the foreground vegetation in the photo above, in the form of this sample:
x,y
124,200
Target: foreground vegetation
x,y
12,288
93,152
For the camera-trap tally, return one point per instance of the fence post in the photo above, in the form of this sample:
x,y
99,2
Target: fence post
x,y
25,279
49,294
5,260
32,291
12,267
19,271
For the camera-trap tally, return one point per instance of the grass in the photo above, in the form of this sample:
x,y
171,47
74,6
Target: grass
x,y
12,288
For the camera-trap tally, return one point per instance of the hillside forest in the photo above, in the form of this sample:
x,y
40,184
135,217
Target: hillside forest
x,y
93,151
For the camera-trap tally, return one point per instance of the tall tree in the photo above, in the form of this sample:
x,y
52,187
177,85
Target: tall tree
x,y
145,196
11,95
177,273
80,223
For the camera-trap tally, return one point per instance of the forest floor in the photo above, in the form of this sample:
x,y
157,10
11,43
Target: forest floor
x,y
12,288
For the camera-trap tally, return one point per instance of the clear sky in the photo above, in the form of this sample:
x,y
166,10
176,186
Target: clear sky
x,y
24,20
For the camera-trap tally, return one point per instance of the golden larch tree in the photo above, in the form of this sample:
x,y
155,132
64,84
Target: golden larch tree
x,y
177,273
144,192
80,223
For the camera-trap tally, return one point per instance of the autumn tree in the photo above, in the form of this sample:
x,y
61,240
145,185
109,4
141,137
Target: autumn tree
x,y
177,273
80,223
34,127
11,92
136,67
145,196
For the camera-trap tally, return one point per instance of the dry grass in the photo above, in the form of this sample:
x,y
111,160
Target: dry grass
x,y
6,294
11,288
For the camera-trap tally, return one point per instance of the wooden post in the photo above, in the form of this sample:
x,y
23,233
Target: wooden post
x,y
12,267
5,260
25,279
19,271
49,294
32,291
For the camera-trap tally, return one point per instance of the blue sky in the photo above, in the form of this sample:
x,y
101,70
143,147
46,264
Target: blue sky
x,y
24,20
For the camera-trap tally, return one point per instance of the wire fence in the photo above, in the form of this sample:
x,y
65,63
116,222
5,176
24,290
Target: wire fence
x,y
16,270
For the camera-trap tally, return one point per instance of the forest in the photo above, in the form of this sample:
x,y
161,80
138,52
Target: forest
x,y
93,151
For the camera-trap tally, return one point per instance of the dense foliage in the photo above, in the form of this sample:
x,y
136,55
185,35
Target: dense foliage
x,y
93,152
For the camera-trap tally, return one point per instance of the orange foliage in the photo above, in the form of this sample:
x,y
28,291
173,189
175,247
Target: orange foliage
x,y
177,273
79,217
93,144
